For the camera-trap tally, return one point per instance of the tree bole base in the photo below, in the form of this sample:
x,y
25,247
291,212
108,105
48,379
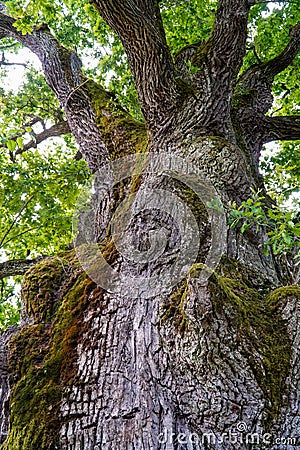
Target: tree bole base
x,y
103,371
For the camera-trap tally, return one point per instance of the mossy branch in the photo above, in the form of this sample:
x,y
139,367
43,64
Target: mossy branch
x,y
17,266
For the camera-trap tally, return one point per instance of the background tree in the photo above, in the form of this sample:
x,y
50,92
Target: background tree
x,y
91,369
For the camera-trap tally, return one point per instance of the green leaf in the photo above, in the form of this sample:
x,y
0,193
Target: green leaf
x,y
20,142
11,145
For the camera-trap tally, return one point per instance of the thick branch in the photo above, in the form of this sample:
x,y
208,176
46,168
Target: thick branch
x,y
56,60
286,57
138,24
227,45
256,129
255,85
94,118
219,59
281,128
17,267
58,129
253,98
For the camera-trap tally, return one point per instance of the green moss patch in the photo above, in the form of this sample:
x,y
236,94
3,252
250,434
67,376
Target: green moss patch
x,y
41,284
121,133
262,333
43,355
173,310
241,297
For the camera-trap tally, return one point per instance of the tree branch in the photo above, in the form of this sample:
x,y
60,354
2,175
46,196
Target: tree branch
x,y
286,57
17,266
14,221
138,24
62,69
255,85
253,98
281,128
227,45
49,51
220,59
55,130
6,47
3,62
93,116
58,129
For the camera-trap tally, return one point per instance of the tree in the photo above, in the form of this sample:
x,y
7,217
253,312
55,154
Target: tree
x,y
210,361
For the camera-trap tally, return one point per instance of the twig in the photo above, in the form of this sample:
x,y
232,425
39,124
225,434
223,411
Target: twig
x,y
14,221
3,62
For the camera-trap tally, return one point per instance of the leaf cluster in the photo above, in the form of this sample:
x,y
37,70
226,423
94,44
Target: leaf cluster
x,y
281,225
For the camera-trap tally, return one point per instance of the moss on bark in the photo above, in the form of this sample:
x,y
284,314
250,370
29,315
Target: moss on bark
x,y
121,133
244,300
262,332
43,355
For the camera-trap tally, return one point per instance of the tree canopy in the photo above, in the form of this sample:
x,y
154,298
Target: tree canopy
x,y
41,174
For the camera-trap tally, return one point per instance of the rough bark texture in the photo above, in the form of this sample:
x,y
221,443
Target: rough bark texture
x,y
4,376
210,365
16,267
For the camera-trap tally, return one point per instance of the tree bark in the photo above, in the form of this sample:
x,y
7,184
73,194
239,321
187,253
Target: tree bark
x,y
207,363
17,267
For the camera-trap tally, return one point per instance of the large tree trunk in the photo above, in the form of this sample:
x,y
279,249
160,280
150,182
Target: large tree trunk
x,y
206,363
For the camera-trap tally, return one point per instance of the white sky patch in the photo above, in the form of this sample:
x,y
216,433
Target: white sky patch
x,y
15,75
3,256
88,58
272,149
271,7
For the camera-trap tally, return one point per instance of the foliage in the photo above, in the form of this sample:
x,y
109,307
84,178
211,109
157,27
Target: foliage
x,y
282,173
37,197
43,353
32,108
77,25
281,225
38,187
10,302
37,202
